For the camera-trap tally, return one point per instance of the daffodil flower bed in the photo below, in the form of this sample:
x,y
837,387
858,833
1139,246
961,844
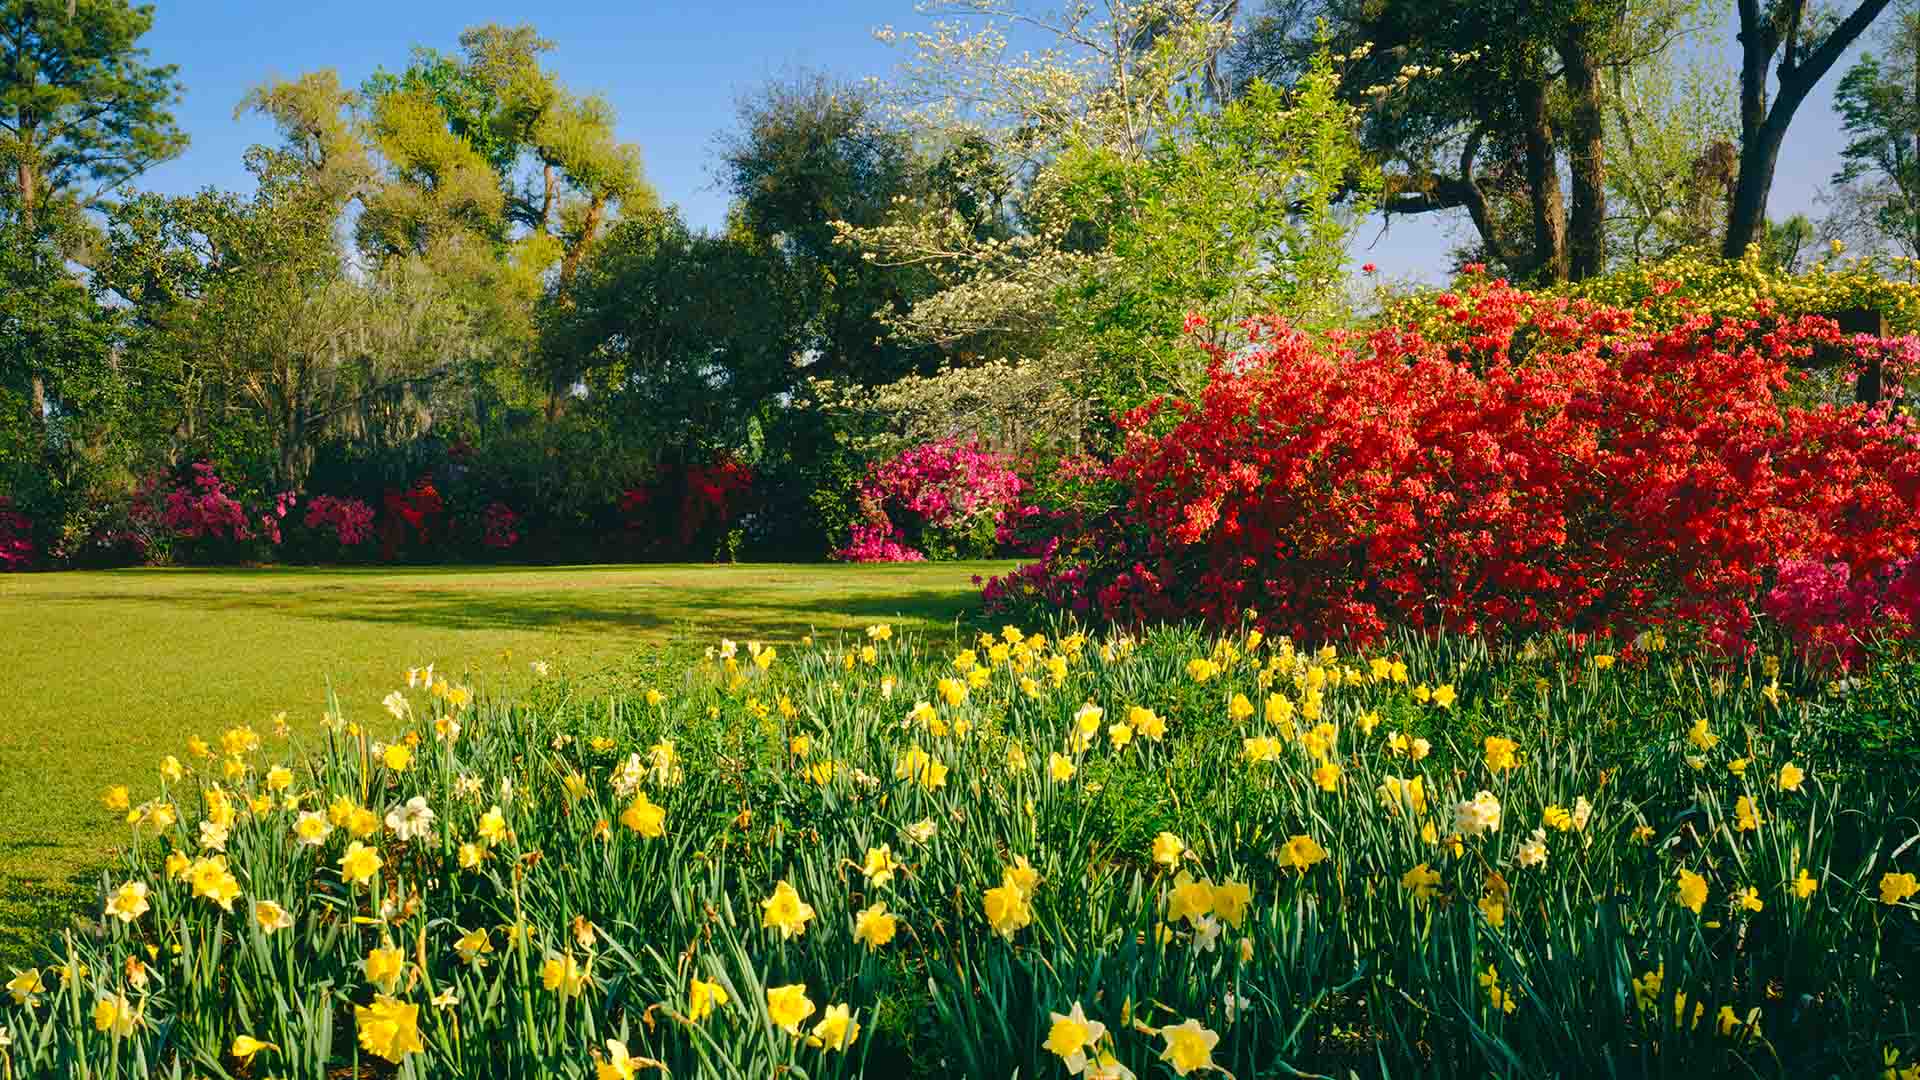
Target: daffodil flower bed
x,y
1047,854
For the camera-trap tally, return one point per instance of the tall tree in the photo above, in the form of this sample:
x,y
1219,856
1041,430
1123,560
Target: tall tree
x,y
81,112
1877,187
809,153
255,317
79,104
1470,105
1808,44
559,169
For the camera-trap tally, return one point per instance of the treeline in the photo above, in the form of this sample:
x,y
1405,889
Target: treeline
x,y
455,280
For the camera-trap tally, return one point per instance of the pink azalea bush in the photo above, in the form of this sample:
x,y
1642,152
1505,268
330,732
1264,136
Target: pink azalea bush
x,y
499,526
205,509
350,520
943,499
16,538
1830,613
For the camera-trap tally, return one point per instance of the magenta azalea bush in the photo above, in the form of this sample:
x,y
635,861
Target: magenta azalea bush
x,y
944,499
16,538
1831,614
205,509
350,520
499,526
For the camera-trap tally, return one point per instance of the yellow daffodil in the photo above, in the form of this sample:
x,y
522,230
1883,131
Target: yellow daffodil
x,y
785,911
787,1006
1189,1046
389,1028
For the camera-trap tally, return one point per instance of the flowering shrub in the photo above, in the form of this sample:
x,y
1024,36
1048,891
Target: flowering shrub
x,y
947,497
500,526
1827,610
877,542
1035,854
16,539
205,509
1532,463
349,519
415,511
686,503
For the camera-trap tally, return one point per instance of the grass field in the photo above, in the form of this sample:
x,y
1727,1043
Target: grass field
x,y
105,672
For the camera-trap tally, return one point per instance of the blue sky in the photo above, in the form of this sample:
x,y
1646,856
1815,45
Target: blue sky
x,y
674,72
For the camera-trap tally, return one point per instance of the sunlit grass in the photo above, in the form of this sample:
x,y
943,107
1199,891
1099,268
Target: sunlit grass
x,y
106,671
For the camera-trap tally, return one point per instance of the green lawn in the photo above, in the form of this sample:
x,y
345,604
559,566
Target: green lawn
x,y
105,672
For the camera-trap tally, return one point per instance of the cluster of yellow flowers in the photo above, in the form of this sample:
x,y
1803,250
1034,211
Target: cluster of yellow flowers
x,y
501,877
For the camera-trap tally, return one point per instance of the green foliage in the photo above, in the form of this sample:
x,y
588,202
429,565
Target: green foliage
x,y
1624,775
1877,187
678,336
1240,211
809,154
79,104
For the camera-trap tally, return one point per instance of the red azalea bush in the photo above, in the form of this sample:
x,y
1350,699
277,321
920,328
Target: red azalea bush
x,y
415,511
947,497
16,539
688,507
499,526
1531,463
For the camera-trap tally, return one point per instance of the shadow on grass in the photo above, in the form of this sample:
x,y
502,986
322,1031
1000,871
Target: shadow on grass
x,y
35,909
634,607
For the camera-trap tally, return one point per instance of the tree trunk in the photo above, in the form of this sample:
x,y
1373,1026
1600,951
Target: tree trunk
x,y
1747,213
1543,186
590,225
1763,127
26,184
1586,153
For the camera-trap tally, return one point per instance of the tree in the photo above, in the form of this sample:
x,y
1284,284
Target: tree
x,y
481,164
1808,44
677,334
1113,83
81,112
1671,140
1877,187
809,153
1231,216
558,169
1472,105
247,307
78,103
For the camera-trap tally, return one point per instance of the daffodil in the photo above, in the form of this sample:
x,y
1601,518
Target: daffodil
x,y
1422,882
785,911
645,817
1188,1046
1692,891
1895,888
1167,849
271,917
874,926
383,966
115,1014
787,1006
564,975
1007,908
389,1028
128,902
1301,852
1071,1035
836,1029
359,864
245,1046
